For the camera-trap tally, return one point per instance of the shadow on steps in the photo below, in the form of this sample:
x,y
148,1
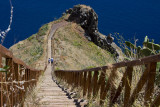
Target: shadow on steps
x,y
69,96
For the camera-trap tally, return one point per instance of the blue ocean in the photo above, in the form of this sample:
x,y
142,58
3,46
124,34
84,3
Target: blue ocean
x,y
130,18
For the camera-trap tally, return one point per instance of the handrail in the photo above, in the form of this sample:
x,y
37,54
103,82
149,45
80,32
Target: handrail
x,y
92,81
142,61
8,54
15,83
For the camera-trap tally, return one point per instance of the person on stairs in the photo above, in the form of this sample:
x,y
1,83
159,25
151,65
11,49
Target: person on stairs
x,y
49,60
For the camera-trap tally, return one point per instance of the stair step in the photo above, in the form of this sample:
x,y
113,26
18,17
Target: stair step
x,y
52,93
51,90
55,97
58,105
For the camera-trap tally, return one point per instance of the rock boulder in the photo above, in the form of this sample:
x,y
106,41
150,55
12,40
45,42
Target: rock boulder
x,y
88,20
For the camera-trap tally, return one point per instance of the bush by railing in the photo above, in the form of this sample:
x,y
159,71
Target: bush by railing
x,y
18,79
94,82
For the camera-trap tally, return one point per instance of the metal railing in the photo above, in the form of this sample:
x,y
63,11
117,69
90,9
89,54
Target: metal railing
x,y
18,79
94,82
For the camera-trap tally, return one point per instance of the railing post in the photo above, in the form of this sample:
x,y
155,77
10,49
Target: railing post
x,y
150,83
29,77
102,87
84,84
128,81
76,79
110,85
9,78
79,79
139,86
89,84
69,78
119,89
16,69
25,78
21,85
13,84
1,80
82,79
95,84
156,102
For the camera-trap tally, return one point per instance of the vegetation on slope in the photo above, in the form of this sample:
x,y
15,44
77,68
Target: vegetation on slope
x,y
73,51
33,49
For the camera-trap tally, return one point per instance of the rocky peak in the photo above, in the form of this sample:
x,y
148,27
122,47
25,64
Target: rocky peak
x,y
88,19
85,16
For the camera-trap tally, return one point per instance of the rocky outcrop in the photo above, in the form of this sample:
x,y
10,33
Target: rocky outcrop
x,y
88,20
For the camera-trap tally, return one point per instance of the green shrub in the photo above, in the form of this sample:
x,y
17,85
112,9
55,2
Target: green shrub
x,y
77,43
31,37
18,46
149,48
36,50
42,31
89,67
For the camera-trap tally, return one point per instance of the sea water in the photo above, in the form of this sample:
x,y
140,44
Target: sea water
x,y
130,18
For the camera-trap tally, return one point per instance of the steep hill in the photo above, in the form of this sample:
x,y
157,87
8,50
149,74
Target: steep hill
x,y
33,49
77,45
71,48
73,51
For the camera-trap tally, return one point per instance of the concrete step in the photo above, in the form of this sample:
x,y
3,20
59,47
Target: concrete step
x,y
54,97
50,90
48,81
50,100
53,93
58,105
51,86
48,85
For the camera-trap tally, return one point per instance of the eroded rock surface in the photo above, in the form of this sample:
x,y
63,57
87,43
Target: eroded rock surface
x,y
88,20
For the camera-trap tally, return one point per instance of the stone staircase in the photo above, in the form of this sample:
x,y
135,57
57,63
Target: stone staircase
x,y
50,94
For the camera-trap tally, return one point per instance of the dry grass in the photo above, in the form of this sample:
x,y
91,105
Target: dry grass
x,y
33,49
73,51
32,100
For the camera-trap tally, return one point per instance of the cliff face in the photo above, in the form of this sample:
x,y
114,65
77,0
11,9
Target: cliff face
x,y
86,17
88,20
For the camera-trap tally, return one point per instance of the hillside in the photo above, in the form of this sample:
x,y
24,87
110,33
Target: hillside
x,y
75,43
73,51
33,49
71,48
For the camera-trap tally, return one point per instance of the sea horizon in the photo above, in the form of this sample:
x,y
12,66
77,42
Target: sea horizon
x,y
132,19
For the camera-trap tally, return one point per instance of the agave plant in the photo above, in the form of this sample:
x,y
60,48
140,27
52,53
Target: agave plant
x,y
4,69
149,48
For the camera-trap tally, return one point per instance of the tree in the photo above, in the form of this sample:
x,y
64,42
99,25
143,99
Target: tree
x,y
4,32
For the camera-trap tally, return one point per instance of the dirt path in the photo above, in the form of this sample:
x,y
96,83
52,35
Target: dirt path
x,y
47,93
52,31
